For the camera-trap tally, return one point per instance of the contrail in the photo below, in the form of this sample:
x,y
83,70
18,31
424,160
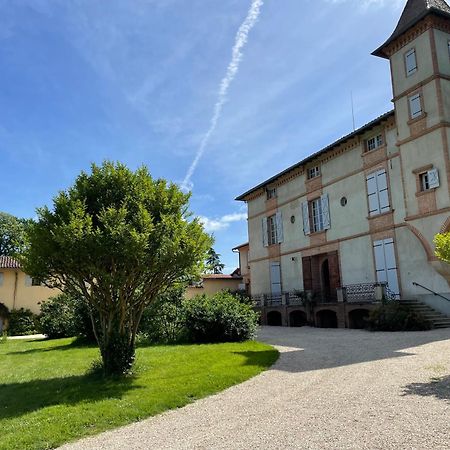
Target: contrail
x,y
232,70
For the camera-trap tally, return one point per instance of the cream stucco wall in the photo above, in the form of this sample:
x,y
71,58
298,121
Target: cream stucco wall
x,y
25,296
212,286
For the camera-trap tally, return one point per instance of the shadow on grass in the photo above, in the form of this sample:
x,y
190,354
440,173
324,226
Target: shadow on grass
x,y
77,343
437,387
265,358
17,399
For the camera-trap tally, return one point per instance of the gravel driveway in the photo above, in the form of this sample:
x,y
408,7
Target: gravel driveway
x,y
330,389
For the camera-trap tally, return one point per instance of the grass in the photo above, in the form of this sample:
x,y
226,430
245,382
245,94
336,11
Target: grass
x,y
49,395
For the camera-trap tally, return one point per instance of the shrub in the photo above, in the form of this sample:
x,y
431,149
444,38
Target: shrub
x,y
220,318
22,322
396,317
58,317
163,321
66,316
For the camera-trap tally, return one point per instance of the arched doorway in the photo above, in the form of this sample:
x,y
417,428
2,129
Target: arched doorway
x,y
326,319
297,319
325,279
357,319
274,319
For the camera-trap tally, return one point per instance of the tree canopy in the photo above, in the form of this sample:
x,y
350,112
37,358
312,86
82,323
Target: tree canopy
x,y
213,264
117,239
12,234
442,242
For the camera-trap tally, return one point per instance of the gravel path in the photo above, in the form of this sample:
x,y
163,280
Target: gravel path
x,y
330,389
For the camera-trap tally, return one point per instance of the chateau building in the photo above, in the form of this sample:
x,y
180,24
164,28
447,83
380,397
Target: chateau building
x,y
356,221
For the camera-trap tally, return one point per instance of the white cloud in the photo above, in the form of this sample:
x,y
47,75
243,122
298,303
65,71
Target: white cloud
x,y
232,70
221,223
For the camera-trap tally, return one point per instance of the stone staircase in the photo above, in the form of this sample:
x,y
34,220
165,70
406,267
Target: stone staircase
x,y
437,319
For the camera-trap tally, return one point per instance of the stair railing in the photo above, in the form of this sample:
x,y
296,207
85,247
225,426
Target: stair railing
x,y
430,290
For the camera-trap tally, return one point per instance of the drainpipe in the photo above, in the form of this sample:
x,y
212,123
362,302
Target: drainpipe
x,y
15,288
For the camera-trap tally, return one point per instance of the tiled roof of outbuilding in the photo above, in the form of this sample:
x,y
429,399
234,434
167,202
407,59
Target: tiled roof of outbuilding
x,y
415,10
6,262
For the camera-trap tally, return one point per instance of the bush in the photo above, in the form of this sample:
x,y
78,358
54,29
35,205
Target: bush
x,y
66,316
58,317
163,322
22,322
220,318
396,317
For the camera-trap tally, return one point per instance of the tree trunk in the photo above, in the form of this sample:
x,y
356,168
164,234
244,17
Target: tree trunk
x,y
117,349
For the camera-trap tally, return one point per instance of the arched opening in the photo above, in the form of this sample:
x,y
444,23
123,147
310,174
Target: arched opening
x,y
325,279
326,319
297,319
357,319
274,319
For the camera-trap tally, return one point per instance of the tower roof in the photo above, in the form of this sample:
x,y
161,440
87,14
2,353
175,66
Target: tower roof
x,y
415,11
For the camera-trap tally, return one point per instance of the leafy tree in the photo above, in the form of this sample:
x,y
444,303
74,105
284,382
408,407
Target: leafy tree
x,y
213,264
442,242
12,234
116,239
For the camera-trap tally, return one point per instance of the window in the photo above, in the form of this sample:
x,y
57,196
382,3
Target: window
x,y
378,193
410,62
429,180
316,215
1,278
271,193
313,172
275,278
415,106
272,228
31,281
374,142
386,265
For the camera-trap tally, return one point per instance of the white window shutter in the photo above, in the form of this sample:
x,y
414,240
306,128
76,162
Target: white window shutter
x,y
383,191
265,232
280,234
326,212
275,278
433,178
306,224
372,192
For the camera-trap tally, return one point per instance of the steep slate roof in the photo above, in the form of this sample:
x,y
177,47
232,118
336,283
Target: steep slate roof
x,y
310,158
415,10
6,262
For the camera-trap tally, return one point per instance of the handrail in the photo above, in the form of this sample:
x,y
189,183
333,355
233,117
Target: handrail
x,y
429,290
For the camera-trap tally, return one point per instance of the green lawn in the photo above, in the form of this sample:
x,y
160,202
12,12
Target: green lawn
x,y
48,397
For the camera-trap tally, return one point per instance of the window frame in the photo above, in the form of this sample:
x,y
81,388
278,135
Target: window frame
x,y
414,69
271,193
424,182
378,141
272,234
316,215
314,172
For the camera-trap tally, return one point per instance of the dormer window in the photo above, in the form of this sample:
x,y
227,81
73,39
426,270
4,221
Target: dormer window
x,y
374,142
411,62
313,172
271,193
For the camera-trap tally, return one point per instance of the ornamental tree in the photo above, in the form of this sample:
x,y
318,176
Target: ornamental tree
x,y
442,242
116,239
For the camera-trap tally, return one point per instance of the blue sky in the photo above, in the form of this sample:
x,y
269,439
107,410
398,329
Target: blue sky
x,y
137,80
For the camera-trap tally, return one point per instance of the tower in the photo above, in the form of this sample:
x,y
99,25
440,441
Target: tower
x,y
419,55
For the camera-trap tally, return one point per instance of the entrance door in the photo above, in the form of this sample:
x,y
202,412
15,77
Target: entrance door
x,y
386,264
326,286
